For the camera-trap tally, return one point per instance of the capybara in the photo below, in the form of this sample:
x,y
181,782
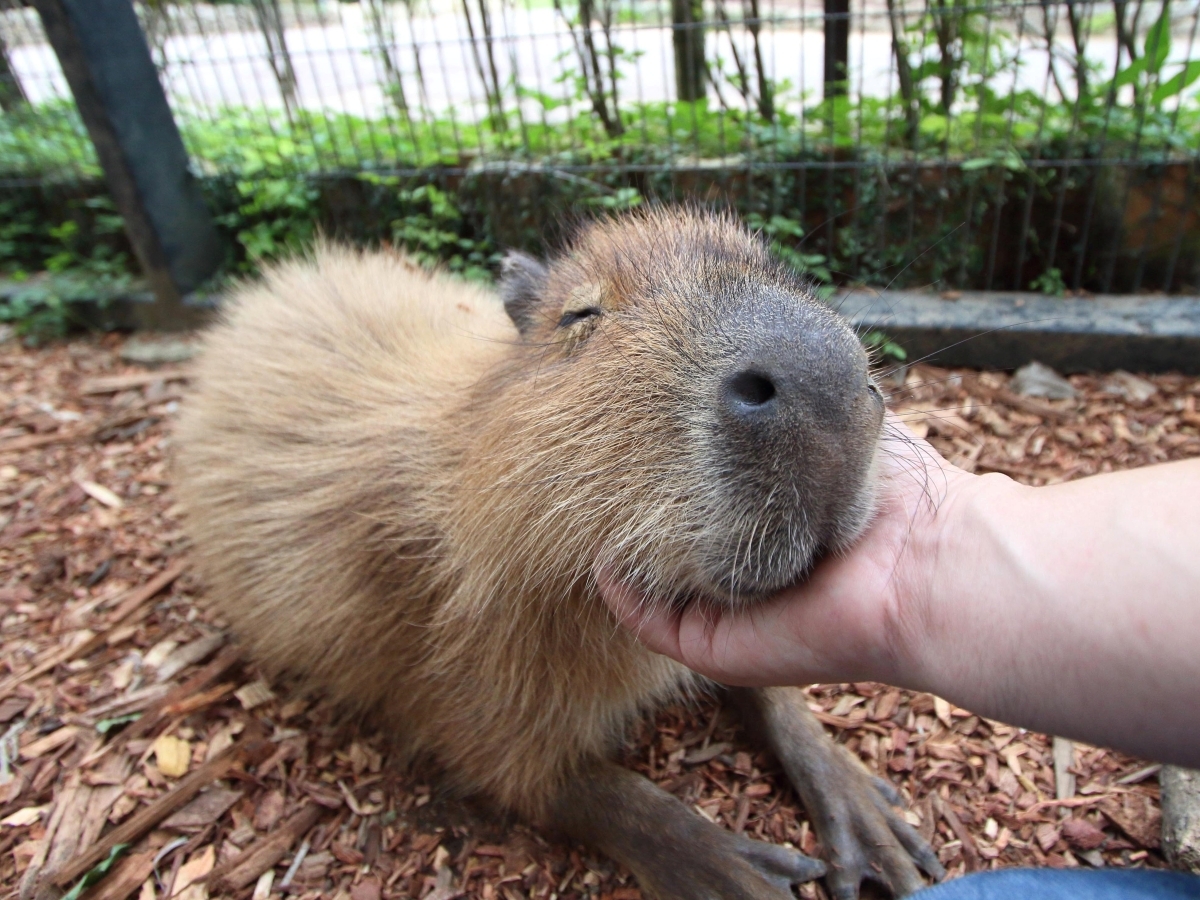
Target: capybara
x,y
401,486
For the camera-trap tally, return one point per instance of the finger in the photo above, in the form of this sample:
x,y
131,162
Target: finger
x,y
888,790
657,629
744,647
922,854
761,645
793,865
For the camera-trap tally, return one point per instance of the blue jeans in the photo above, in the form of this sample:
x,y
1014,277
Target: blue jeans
x,y
1067,884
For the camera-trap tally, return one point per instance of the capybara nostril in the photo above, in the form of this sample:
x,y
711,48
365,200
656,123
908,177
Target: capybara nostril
x,y
749,390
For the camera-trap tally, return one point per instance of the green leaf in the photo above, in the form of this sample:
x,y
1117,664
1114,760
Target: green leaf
x,y
104,726
880,343
978,163
1178,83
96,873
1158,40
1130,73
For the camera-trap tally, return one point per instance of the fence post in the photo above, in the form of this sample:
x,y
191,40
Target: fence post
x,y
837,47
687,21
107,63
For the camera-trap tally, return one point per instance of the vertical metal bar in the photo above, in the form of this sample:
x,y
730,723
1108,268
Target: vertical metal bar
x,y
1097,172
1160,184
1027,211
802,173
1008,148
969,222
1071,144
1189,195
853,267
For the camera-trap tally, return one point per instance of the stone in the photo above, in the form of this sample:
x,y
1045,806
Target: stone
x,y
1132,388
1037,380
149,350
1181,817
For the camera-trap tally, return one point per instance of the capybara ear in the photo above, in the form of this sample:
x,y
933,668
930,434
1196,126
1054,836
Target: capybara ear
x,y
521,281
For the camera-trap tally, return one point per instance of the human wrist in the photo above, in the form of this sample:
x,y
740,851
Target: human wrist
x,y
942,611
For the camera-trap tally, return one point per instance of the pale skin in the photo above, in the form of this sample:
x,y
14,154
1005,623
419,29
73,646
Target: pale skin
x,y
1072,609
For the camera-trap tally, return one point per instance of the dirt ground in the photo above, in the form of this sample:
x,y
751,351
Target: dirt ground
x,y
126,716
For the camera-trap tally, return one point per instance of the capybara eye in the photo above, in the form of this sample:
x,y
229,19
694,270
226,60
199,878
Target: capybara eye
x,y
578,315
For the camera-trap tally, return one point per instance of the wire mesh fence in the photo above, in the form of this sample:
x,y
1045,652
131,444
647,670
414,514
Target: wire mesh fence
x,y
1052,145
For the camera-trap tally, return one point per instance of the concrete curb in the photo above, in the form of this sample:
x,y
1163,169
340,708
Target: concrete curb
x,y
1005,330
980,329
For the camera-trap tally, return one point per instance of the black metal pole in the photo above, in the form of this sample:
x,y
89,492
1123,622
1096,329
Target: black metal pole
x,y
687,21
107,63
837,47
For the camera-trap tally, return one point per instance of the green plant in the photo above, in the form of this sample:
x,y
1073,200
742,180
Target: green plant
x,y
47,306
95,873
433,230
880,345
1050,283
786,236
620,199
1145,74
78,266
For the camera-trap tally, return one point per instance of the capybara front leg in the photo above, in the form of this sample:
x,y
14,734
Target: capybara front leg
x,y
674,853
862,835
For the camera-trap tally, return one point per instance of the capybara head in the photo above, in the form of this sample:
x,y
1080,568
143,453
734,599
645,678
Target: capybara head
x,y
683,409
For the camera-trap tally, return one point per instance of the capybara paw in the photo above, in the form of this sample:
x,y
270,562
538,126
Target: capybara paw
x,y
733,867
865,837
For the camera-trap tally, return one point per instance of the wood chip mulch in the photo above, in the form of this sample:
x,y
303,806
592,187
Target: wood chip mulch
x,y
126,717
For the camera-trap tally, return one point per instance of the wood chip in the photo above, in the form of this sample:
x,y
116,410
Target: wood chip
x,y
970,850
127,876
269,812
1064,779
50,742
129,605
703,755
11,708
111,384
941,709
101,493
245,869
203,810
34,441
173,704
254,694
24,817
245,753
188,655
262,887
194,869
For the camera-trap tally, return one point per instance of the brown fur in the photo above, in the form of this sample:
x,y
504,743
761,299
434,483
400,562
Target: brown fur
x,y
400,499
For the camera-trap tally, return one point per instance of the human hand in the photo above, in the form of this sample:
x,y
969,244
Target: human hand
x,y
859,616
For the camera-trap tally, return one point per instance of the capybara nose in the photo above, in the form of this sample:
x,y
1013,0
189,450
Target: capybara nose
x,y
806,375
748,392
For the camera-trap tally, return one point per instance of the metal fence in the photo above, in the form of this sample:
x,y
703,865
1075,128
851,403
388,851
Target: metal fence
x,y
942,142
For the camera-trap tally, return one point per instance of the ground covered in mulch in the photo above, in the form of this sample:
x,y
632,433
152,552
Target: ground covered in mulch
x,y
127,718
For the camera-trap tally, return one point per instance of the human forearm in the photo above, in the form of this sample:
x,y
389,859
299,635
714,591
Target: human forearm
x,y
1073,609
